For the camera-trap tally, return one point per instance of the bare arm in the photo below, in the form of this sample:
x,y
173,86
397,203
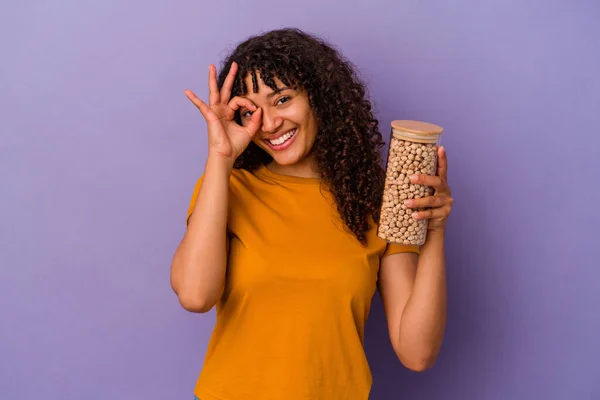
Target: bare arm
x,y
414,299
413,289
199,263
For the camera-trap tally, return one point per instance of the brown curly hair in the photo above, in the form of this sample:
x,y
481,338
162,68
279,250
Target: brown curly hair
x,y
348,142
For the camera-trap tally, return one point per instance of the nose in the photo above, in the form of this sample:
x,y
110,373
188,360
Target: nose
x,y
271,122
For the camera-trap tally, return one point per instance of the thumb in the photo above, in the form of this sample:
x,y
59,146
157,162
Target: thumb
x,y
255,122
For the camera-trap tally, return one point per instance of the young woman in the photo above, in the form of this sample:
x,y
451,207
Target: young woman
x,y
281,234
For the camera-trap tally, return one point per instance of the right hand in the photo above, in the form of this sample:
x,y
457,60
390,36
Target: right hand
x,y
226,138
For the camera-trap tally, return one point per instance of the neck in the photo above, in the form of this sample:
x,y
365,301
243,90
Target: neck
x,y
304,168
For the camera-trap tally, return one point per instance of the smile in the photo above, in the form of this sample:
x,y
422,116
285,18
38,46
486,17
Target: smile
x,y
282,141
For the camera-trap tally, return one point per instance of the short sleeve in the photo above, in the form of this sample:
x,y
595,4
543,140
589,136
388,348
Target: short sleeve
x,y
393,248
194,197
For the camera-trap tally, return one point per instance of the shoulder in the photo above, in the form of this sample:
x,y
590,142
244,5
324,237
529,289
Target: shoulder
x,y
394,248
241,182
238,180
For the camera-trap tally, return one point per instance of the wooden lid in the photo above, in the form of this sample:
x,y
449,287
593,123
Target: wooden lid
x,y
418,127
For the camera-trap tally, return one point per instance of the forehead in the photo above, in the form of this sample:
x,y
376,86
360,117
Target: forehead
x,y
263,89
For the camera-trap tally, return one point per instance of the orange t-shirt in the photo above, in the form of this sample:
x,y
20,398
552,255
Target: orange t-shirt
x,y
290,323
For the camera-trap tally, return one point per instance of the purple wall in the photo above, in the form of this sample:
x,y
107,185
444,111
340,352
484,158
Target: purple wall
x,y
99,150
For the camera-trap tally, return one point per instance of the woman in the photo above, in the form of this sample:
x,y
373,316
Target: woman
x,y
281,233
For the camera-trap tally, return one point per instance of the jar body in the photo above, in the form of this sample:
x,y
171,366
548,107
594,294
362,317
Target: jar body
x,y
408,154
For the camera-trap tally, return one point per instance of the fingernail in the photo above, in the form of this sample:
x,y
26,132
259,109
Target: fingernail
x,y
408,203
415,215
414,178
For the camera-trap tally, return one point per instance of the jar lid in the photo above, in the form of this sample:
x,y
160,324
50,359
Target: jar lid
x,y
417,127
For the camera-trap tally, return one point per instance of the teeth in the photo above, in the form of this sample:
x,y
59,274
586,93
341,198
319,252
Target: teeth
x,y
282,139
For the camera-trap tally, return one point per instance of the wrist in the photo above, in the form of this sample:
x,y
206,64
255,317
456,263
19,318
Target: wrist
x,y
437,233
219,162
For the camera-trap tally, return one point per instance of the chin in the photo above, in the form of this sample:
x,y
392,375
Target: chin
x,y
284,159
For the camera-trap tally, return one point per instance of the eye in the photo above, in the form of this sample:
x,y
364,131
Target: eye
x,y
246,114
283,100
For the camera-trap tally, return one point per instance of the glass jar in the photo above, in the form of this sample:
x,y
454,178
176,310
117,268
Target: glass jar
x,y
412,150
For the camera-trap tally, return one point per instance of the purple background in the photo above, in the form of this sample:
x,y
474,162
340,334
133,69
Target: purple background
x,y
99,151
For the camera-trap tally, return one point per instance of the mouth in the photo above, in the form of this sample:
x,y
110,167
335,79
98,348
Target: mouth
x,y
283,141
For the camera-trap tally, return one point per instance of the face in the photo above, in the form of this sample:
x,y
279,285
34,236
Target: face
x,y
288,128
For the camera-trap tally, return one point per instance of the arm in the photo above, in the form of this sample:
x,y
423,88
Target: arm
x,y
199,263
413,291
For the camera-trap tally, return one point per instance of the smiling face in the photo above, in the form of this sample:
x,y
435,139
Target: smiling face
x,y
289,127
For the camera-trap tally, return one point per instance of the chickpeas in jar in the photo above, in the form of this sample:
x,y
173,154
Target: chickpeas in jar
x,y
412,150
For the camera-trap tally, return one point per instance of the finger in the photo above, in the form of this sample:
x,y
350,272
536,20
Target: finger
x,y
442,170
214,96
428,180
202,106
432,213
255,123
228,84
237,102
429,201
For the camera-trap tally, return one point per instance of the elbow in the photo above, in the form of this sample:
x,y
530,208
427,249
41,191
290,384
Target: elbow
x,y
192,298
418,365
195,304
419,362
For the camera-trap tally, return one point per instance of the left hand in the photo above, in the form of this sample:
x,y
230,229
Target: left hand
x,y
438,206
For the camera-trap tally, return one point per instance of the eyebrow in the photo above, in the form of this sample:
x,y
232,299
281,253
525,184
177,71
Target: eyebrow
x,y
277,91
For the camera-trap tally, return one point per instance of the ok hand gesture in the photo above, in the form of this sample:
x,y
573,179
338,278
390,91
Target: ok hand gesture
x,y
226,138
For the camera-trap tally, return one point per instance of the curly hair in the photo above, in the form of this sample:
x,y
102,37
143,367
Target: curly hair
x,y
347,146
